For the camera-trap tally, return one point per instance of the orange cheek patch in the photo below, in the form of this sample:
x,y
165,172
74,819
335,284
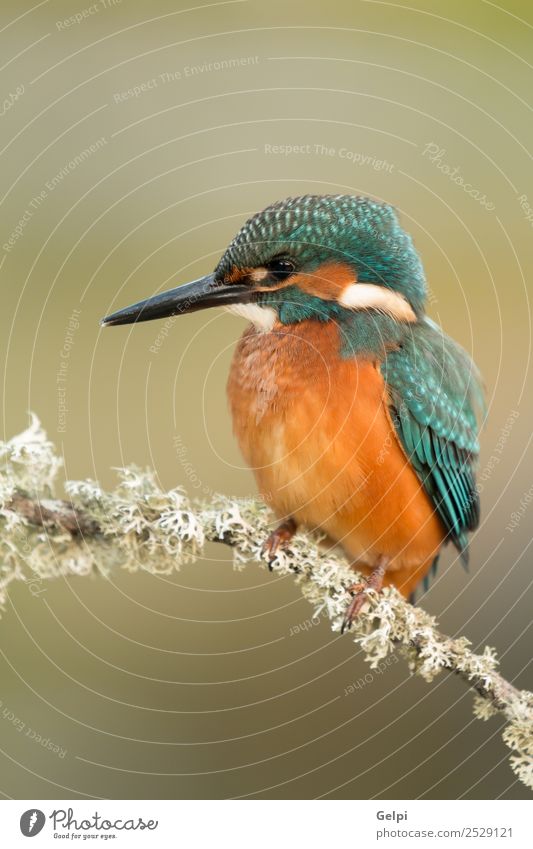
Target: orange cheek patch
x,y
327,282
238,275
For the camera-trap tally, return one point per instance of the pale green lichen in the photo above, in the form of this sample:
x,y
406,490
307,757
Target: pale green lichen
x,y
140,526
152,529
28,462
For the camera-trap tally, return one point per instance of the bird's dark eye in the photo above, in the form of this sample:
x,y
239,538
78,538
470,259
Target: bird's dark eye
x,y
281,268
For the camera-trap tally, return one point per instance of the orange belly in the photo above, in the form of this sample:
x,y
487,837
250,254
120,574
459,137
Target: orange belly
x,y
317,434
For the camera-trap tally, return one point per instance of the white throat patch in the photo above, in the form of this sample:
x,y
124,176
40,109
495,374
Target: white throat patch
x,y
263,318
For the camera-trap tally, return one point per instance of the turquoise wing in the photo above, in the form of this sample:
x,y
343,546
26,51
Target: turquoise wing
x,y
436,399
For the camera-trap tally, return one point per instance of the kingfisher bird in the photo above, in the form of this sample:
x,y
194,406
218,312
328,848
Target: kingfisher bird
x,y
358,415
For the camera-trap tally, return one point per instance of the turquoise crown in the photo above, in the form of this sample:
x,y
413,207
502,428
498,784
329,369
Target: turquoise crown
x,y
313,229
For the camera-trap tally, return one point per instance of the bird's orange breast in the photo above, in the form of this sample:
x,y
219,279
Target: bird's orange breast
x,y
317,433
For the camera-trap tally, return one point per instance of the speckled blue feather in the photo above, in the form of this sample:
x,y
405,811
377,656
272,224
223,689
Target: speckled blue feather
x,y
436,396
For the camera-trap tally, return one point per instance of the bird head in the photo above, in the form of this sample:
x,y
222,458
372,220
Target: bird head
x,y
316,257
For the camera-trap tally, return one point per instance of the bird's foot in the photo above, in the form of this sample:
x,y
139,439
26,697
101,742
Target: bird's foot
x,y
360,593
278,539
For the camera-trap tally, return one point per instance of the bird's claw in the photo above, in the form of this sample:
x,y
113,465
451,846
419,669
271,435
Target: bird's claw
x,y
270,548
360,595
277,540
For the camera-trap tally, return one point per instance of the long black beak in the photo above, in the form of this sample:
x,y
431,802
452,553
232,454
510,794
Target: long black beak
x,y
198,295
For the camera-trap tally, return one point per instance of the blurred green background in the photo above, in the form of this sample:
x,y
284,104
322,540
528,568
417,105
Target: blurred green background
x,y
197,684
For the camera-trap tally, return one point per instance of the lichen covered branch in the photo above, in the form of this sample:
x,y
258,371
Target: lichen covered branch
x,y
139,526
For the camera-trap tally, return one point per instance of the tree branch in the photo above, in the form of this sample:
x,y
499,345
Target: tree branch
x,y
138,526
